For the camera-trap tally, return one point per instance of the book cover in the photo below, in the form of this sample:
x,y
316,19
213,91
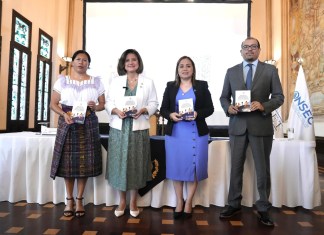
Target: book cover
x,y
130,106
243,100
79,111
186,108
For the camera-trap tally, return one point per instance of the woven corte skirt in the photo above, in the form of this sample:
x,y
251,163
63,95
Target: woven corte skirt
x,y
79,153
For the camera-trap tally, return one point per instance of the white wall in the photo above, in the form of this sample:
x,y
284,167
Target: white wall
x,y
211,34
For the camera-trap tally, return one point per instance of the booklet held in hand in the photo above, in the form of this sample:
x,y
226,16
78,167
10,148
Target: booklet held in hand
x,y
79,111
130,106
243,100
186,108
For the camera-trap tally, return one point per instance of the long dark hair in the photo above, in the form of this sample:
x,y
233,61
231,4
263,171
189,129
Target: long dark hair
x,y
177,77
121,63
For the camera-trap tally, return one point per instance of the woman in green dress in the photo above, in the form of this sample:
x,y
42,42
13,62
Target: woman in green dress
x,y
131,100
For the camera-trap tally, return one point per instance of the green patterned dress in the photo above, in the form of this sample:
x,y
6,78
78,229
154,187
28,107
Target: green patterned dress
x,y
129,158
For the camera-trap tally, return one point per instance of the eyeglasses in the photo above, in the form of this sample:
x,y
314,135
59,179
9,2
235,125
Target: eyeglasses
x,y
252,47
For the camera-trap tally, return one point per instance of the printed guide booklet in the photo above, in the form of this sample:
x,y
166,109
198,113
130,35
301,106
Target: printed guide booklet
x,y
243,100
79,111
130,104
186,108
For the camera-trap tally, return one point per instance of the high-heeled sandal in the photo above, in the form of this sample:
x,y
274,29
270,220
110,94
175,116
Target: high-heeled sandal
x,y
69,213
79,213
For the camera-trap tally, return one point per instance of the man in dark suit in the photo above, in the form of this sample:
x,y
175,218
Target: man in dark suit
x,y
254,127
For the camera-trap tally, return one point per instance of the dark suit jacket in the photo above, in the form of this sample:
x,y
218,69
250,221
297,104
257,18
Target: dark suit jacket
x,y
203,106
266,88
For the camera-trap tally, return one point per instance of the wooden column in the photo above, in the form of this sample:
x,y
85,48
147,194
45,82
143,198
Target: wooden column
x,y
269,50
285,58
69,40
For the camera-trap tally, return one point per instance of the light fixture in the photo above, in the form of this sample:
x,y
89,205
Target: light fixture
x,y
67,61
271,61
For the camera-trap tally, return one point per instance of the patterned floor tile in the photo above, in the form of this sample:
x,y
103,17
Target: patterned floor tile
x,y
133,221
21,204
305,224
288,212
14,230
99,219
202,222
34,216
51,231
49,205
90,233
167,221
236,223
107,208
3,214
167,210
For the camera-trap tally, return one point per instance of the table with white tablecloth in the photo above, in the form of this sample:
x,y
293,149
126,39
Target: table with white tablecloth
x,y
25,160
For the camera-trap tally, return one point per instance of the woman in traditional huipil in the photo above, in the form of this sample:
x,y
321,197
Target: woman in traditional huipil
x,y
129,158
186,140
77,151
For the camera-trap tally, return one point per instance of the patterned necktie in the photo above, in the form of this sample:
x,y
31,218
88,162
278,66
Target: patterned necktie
x,y
249,77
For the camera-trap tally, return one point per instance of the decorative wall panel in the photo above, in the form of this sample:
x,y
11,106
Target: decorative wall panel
x,y
306,41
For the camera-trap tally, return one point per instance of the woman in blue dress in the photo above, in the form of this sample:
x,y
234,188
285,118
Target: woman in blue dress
x,y
186,140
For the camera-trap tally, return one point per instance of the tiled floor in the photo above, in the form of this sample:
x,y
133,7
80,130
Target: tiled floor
x,y
33,219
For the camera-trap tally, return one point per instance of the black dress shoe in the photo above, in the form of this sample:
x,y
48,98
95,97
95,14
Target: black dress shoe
x,y
229,212
265,219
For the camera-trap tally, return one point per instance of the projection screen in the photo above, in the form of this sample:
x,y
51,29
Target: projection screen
x,y
210,33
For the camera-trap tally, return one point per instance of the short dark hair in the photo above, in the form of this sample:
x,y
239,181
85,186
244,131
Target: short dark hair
x,y
81,52
248,38
121,63
177,77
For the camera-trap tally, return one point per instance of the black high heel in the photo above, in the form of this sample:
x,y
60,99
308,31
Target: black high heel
x,y
69,213
178,215
79,213
187,215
